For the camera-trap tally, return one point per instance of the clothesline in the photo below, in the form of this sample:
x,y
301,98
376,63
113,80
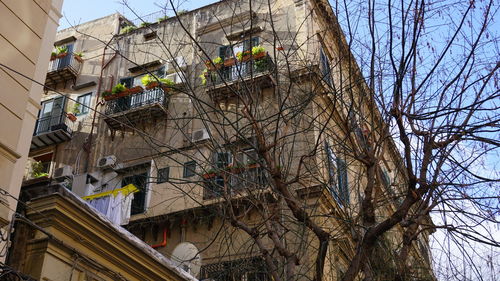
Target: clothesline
x,y
126,190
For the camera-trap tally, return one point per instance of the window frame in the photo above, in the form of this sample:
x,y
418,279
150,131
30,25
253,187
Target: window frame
x,y
86,107
338,182
187,172
161,177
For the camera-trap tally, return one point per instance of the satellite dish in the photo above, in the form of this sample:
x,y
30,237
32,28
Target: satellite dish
x,y
187,257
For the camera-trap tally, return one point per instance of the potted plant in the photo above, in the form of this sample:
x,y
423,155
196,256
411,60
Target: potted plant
x,y
71,116
119,90
244,56
209,174
229,62
258,52
61,51
162,19
127,29
78,56
107,95
76,109
151,81
203,76
37,170
144,24
135,90
53,55
217,62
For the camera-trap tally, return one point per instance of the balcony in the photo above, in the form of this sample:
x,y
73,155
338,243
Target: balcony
x,y
51,130
233,181
62,69
136,108
228,80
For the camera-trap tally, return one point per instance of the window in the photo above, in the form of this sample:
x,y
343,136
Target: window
x,y
52,114
325,68
163,175
139,201
245,45
222,159
337,173
127,81
189,169
82,104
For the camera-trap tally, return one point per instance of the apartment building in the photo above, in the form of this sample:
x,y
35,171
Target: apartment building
x,y
231,121
25,51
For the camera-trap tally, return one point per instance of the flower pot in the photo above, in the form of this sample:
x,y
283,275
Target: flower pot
x,y
135,90
259,55
152,85
122,94
62,55
71,116
53,57
209,176
229,62
78,58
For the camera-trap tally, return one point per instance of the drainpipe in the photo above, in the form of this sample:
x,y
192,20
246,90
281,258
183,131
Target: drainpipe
x,y
164,242
88,144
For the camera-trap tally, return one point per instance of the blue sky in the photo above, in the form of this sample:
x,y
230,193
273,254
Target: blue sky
x,y
78,11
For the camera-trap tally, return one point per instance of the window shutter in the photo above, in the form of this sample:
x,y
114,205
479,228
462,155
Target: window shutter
x,y
342,181
255,41
222,51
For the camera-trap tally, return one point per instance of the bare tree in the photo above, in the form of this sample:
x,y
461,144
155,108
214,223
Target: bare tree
x,y
322,173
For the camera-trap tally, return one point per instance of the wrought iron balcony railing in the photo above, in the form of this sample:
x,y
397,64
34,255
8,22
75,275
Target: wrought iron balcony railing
x,y
147,97
240,71
67,61
234,180
62,69
50,130
53,123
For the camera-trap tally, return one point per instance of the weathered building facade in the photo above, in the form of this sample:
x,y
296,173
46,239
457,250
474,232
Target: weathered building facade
x,y
232,123
25,52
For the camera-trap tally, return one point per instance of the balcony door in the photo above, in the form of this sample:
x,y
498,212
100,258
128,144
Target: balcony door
x,y
66,61
50,115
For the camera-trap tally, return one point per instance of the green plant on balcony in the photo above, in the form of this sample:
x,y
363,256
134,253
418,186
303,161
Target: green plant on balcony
x,y
182,12
76,108
78,56
118,88
258,50
127,29
261,64
162,18
151,81
38,170
203,76
61,50
106,93
144,24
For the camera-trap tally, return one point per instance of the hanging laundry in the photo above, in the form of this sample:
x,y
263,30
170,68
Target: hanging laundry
x,y
115,204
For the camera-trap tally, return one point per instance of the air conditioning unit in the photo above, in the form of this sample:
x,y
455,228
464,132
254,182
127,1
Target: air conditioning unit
x,y
106,162
63,173
175,77
200,135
